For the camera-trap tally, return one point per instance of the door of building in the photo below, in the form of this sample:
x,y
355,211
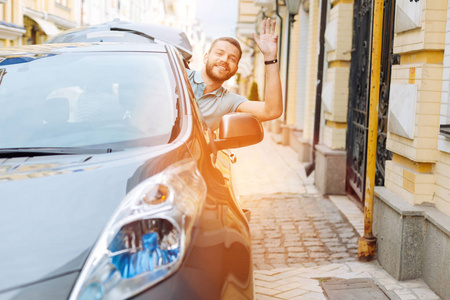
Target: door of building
x,y
359,95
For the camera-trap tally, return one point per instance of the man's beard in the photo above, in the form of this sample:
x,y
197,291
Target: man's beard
x,y
209,68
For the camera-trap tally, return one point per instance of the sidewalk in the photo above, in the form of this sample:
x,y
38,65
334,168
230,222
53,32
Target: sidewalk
x,y
300,239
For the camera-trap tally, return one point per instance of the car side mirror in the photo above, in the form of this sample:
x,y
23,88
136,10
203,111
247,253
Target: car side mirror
x,y
239,130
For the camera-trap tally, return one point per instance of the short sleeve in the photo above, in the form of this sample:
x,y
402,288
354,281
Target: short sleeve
x,y
237,101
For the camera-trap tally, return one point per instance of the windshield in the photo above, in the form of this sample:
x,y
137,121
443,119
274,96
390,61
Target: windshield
x,y
86,99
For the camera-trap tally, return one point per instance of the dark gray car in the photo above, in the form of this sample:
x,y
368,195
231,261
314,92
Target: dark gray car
x,y
111,185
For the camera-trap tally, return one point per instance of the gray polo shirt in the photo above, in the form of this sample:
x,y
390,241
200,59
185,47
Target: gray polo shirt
x,y
215,104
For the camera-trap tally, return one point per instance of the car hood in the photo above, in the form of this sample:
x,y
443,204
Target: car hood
x,y
54,208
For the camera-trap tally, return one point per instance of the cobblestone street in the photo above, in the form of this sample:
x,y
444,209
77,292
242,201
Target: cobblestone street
x,y
299,231
299,237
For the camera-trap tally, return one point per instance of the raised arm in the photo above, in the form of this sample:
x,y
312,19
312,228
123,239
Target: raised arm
x,y
272,107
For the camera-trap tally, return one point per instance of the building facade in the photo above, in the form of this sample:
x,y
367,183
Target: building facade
x,y
412,199
32,21
416,193
11,24
248,66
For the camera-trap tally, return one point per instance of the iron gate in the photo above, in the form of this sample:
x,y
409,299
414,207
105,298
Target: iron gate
x,y
358,104
387,60
359,93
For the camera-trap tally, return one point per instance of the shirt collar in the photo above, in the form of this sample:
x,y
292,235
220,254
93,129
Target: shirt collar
x,y
198,77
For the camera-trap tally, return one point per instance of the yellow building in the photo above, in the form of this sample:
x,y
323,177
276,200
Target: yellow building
x,y
33,21
252,68
329,143
11,24
416,194
248,67
412,202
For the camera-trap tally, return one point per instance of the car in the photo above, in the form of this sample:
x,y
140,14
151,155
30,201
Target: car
x,y
111,184
129,32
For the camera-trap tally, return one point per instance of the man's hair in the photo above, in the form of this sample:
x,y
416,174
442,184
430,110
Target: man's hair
x,y
230,40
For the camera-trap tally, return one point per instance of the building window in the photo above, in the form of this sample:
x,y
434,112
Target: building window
x,y
62,2
444,128
444,119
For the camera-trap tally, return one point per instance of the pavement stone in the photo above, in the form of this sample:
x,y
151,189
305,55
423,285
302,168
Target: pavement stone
x,y
299,237
316,239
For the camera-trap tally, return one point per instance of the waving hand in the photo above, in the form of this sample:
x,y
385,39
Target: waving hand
x,y
267,40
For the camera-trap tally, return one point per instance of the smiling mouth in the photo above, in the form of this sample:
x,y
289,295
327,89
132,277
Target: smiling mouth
x,y
222,68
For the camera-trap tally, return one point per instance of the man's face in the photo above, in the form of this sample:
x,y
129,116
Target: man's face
x,y
221,63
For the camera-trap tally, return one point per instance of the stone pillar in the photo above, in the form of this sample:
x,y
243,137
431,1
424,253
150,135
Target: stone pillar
x,y
415,96
293,71
442,192
330,169
329,176
412,241
311,69
412,211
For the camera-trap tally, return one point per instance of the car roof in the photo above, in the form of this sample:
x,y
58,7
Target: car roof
x,y
151,32
81,47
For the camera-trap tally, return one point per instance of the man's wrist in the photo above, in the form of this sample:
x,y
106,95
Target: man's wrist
x,y
270,57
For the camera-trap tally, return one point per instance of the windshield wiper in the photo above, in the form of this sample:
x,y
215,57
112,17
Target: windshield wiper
x,y
134,32
43,151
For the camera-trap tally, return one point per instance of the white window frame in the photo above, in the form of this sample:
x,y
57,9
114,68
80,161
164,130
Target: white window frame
x,y
62,2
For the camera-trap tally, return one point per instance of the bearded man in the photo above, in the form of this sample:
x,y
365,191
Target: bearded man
x,y
221,63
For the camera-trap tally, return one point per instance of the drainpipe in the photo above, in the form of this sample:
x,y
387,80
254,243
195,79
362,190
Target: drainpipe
x,y
288,48
367,244
281,32
318,104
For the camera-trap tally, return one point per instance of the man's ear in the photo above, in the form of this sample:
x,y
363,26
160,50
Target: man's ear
x,y
205,57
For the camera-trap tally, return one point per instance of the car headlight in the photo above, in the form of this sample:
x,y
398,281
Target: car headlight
x,y
146,239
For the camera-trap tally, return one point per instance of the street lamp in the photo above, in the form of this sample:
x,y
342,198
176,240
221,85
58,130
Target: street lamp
x,y
292,6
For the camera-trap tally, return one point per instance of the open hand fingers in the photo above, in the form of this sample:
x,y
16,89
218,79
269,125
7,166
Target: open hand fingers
x,y
274,24
267,26
262,27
